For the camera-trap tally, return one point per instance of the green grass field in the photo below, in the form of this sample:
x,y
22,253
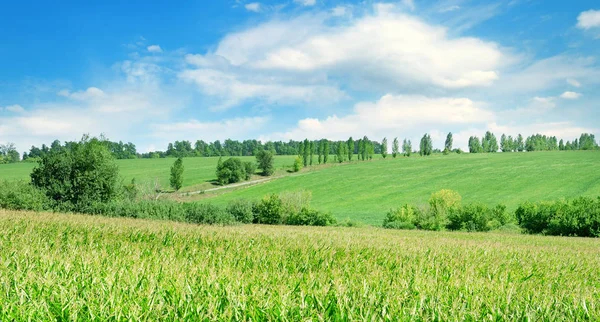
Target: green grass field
x,y
71,267
197,174
365,191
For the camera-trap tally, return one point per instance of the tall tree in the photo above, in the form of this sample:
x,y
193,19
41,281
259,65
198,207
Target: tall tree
x,y
475,145
407,147
448,143
384,148
306,152
395,147
360,149
365,150
520,144
176,179
320,151
341,152
561,145
350,150
264,158
312,151
325,151
426,145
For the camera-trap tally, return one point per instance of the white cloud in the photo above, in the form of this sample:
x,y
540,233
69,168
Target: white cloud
x,y
588,19
237,128
450,8
409,4
234,89
548,73
340,11
89,94
387,50
16,108
570,95
154,49
390,114
254,7
306,3
573,82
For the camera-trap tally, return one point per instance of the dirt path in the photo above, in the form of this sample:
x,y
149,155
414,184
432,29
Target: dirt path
x,y
235,185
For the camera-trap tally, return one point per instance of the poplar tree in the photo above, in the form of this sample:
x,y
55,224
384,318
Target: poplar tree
x,y
395,148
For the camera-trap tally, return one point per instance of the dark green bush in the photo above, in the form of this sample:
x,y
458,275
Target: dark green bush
x,y
579,217
250,168
241,210
269,211
85,173
231,171
20,195
206,214
404,217
310,217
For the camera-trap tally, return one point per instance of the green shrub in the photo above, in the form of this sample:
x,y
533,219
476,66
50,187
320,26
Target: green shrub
x,y
265,162
440,204
310,217
269,211
241,210
84,173
297,164
250,169
207,214
231,171
293,202
20,195
404,217
579,217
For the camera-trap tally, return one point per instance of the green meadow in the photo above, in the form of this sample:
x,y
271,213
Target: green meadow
x,y
71,267
365,191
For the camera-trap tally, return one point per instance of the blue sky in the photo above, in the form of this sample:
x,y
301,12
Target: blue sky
x,y
153,73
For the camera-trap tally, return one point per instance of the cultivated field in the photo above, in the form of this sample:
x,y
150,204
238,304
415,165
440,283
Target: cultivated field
x,y
365,191
70,267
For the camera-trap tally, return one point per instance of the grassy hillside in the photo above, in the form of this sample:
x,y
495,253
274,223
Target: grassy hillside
x,y
70,267
366,190
198,171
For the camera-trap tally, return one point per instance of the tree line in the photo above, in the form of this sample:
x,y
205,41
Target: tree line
x,y
324,149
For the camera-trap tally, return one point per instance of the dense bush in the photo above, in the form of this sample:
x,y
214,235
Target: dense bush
x,y
20,195
579,217
241,210
440,204
478,217
297,164
310,217
404,217
85,173
231,171
250,168
206,214
269,211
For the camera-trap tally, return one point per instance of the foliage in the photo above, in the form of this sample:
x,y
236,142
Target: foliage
x,y
265,162
350,150
269,210
578,217
241,210
176,179
426,146
232,170
395,148
250,169
21,195
448,143
404,217
384,147
84,173
406,147
478,217
310,217
297,164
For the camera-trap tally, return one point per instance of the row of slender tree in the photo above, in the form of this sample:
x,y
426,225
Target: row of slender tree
x,y
342,151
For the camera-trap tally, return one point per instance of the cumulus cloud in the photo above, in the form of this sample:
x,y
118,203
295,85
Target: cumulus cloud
x,y
573,82
154,49
570,95
588,19
410,113
384,50
254,7
236,128
16,108
306,3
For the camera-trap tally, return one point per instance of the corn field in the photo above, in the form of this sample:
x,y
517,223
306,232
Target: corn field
x,y
70,267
